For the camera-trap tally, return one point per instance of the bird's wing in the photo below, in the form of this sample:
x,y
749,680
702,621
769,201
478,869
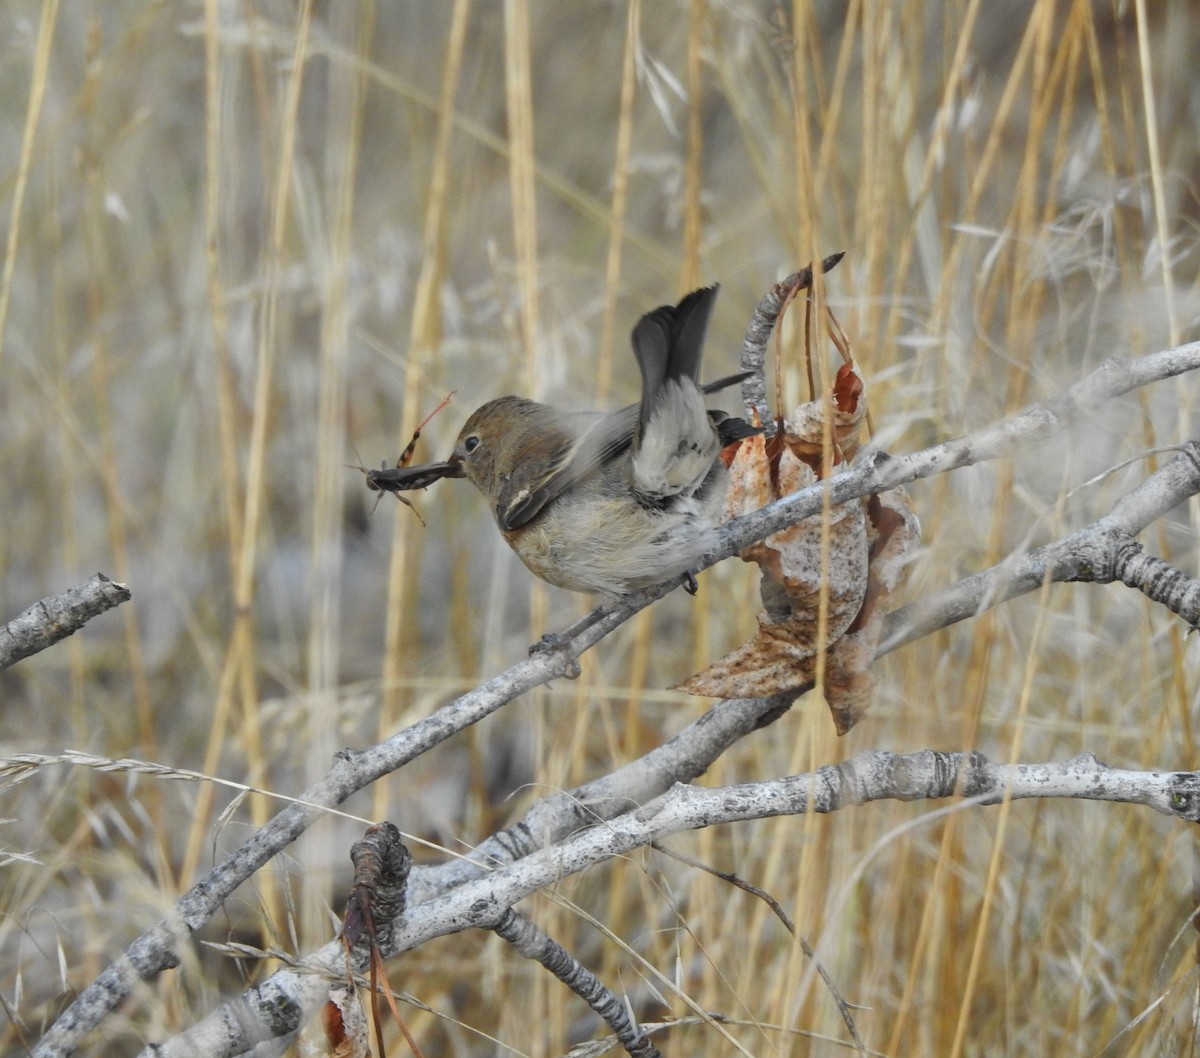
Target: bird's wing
x,y
726,382
527,491
595,441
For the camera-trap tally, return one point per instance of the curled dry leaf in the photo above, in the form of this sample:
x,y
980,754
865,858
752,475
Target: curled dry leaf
x,y
893,532
859,563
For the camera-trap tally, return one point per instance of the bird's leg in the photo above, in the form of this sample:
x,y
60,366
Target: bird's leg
x,y
560,641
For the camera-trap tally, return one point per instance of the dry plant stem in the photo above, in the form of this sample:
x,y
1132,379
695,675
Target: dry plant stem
x,y
777,910
274,1008
533,943
153,951
57,617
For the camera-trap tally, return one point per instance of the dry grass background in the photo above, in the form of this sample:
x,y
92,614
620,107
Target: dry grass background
x,y
247,243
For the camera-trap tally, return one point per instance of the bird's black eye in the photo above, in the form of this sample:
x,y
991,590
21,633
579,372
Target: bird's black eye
x,y
470,443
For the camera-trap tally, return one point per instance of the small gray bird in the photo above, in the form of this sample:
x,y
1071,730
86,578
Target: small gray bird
x,y
605,502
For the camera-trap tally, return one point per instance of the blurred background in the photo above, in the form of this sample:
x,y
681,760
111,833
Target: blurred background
x,y
249,245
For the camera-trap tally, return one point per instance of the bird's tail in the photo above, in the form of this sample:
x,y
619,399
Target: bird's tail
x,y
668,343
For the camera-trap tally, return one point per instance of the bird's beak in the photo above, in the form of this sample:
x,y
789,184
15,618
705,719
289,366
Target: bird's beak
x,y
406,479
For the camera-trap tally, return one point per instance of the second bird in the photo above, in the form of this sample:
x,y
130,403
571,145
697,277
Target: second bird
x,y
605,502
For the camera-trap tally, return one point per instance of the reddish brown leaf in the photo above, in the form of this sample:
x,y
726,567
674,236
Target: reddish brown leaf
x,y
857,558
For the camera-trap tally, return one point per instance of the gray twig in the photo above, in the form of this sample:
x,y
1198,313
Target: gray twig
x,y
58,616
1101,553
534,943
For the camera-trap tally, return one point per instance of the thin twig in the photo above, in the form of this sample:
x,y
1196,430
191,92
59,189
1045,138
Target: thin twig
x,y
777,909
58,616
1101,552
534,943
758,336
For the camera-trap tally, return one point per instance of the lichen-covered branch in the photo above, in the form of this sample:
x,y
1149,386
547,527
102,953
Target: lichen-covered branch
x,y
1101,553
58,616
535,943
275,1006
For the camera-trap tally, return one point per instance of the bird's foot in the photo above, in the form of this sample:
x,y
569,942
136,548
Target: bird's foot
x,y
560,643
689,582
551,643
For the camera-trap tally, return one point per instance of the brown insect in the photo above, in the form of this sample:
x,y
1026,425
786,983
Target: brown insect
x,y
399,479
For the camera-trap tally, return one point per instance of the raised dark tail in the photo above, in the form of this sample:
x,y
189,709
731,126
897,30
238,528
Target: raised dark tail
x,y
668,343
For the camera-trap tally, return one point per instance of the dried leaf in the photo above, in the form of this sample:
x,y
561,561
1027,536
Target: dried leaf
x,y
895,534
776,659
867,544
804,429
749,478
780,657
792,558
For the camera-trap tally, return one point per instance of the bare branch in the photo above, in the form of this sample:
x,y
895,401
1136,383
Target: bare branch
x,y
270,1008
758,335
57,617
868,777
1102,552
875,472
